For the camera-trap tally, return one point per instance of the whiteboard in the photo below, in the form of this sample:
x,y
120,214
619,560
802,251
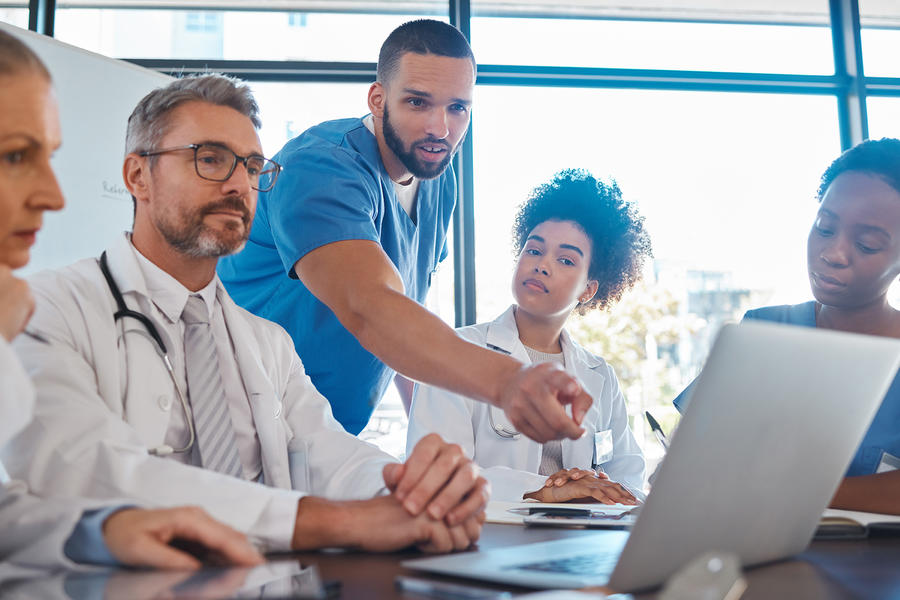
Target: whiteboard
x,y
96,95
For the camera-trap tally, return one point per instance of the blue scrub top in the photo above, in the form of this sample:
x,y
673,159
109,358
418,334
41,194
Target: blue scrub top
x,y
334,187
883,435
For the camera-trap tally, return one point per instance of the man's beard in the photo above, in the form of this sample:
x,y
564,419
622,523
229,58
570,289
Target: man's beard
x,y
408,157
192,237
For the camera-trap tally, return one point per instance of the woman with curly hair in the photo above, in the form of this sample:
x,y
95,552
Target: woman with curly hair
x,y
580,246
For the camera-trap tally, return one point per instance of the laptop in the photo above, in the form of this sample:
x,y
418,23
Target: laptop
x,y
773,422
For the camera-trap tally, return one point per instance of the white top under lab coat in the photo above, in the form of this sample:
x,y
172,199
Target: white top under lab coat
x,y
104,399
511,465
33,531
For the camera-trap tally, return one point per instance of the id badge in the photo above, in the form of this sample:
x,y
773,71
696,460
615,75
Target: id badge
x,y
603,446
888,462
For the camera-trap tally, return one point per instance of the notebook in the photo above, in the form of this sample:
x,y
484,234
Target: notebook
x,y
839,524
774,420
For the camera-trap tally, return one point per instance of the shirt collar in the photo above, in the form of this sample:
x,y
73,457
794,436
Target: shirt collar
x,y
167,293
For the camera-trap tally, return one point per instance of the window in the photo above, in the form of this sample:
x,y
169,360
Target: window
x,y
15,16
242,35
880,22
737,37
884,117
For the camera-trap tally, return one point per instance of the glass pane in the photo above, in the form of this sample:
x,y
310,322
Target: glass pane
x,y
726,183
884,117
880,20
289,109
15,16
728,37
229,35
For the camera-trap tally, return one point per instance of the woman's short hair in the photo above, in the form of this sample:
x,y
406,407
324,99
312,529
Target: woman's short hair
x,y
880,158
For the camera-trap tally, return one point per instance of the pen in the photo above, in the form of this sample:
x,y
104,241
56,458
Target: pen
x,y
657,430
450,591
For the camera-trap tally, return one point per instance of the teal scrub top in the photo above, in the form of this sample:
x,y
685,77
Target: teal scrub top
x,y
334,187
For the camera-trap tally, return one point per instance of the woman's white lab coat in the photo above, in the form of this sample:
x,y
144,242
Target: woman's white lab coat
x,y
511,465
34,530
104,399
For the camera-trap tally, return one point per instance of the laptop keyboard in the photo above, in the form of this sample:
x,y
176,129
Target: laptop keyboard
x,y
594,563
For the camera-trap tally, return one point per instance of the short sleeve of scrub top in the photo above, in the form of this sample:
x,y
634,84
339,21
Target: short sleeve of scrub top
x,y
338,203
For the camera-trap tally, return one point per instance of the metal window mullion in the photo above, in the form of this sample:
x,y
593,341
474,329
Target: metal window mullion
x,y
42,16
848,67
464,214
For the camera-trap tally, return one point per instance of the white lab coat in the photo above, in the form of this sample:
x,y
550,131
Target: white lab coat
x,y
33,531
511,465
97,416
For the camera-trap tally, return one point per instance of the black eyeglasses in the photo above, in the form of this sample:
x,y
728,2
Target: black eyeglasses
x,y
216,163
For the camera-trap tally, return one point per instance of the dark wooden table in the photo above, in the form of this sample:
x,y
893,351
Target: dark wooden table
x,y
826,570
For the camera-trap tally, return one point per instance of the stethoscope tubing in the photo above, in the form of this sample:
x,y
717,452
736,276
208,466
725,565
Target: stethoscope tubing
x,y
152,332
501,430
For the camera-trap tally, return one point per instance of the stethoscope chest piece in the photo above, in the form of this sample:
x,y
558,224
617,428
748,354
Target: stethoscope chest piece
x,y
503,431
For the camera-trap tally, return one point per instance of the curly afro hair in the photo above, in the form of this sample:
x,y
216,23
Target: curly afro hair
x,y
614,226
880,158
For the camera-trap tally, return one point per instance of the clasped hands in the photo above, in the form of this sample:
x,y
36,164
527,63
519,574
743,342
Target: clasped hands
x,y
437,504
585,485
442,494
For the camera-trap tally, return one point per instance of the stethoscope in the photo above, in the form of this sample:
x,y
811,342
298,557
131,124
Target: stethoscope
x,y
152,334
505,432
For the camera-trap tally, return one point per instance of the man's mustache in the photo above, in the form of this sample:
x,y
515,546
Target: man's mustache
x,y
229,203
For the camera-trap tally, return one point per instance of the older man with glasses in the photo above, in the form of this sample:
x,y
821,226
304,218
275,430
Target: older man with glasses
x,y
154,386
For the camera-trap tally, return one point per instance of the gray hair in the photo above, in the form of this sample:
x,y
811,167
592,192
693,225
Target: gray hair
x,y
149,121
18,59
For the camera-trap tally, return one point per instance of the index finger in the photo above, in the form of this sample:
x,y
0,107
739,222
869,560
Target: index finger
x,y
416,466
552,409
581,404
570,391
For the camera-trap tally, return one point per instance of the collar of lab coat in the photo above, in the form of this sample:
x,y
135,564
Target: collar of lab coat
x,y
503,334
131,274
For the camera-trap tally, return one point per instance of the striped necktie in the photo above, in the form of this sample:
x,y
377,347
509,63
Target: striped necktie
x,y
212,421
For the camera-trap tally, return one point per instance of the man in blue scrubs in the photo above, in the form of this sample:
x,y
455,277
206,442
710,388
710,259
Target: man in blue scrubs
x,y
360,216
